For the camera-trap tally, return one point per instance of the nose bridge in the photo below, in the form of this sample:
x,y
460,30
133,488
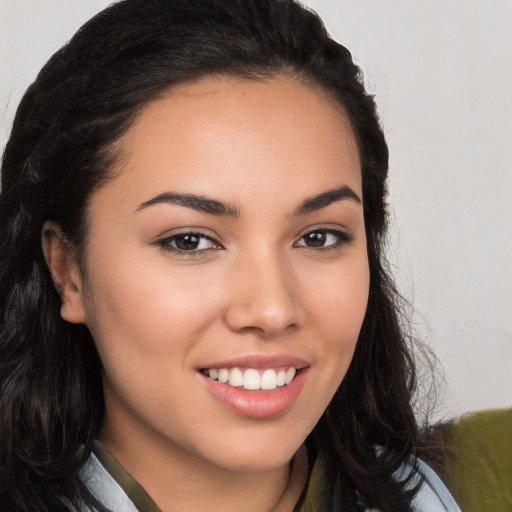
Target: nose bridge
x,y
263,296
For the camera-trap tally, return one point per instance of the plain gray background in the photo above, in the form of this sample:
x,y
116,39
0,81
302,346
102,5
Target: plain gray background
x,y
442,75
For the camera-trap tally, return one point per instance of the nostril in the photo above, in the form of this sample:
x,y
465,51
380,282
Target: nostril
x,y
260,321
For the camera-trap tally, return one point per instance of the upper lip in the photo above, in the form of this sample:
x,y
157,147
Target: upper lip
x,y
260,361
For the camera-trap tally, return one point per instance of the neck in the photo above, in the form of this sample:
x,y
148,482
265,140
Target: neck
x,y
177,480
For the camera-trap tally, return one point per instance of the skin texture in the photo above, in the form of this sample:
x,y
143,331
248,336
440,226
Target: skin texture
x,y
253,288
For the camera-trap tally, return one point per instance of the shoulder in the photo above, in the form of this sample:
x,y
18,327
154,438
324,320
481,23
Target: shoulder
x,y
432,496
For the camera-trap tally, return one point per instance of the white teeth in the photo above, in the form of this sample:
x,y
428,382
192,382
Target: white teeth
x,y
268,380
290,373
223,376
236,378
252,378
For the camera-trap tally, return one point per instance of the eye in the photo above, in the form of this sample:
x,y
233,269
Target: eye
x,y
324,239
188,242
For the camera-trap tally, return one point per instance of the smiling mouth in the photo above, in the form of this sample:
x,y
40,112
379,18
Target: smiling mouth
x,y
251,378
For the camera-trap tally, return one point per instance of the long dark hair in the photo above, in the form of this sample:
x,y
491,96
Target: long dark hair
x,y
62,147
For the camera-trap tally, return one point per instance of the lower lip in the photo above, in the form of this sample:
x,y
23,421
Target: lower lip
x,y
257,404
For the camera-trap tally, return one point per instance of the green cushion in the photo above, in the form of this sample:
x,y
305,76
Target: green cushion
x,y
480,461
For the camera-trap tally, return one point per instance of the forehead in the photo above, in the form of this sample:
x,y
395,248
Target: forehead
x,y
219,131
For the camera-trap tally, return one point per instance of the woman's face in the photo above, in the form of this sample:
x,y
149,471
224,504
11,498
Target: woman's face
x,y
231,245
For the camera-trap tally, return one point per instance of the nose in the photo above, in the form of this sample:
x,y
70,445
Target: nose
x,y
263,298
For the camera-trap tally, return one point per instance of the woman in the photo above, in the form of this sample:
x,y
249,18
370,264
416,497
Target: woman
x,y
195,309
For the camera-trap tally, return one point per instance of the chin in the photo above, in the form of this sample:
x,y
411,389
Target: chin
x,y
254,456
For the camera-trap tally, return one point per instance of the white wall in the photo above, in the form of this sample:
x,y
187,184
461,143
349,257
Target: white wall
x,y
442,73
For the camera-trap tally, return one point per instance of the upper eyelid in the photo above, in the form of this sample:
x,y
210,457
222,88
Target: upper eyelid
x,y
188,231
329,228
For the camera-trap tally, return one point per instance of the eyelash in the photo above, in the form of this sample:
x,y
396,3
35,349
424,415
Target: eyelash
x,y
342,239
166,243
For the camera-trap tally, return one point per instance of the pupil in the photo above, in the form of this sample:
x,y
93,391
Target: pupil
x,y
187,242
315,239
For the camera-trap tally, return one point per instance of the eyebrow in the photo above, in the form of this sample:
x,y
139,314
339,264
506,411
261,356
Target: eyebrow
x,y
196,202
319,201
222,209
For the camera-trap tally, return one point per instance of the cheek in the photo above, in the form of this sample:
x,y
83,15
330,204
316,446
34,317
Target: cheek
x,y
337,305
145,310
339,300
147,324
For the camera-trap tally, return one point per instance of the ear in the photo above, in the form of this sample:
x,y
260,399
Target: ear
x,y
62,262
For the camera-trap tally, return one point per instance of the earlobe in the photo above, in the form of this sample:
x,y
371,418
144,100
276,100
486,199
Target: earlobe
x,y
62,262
